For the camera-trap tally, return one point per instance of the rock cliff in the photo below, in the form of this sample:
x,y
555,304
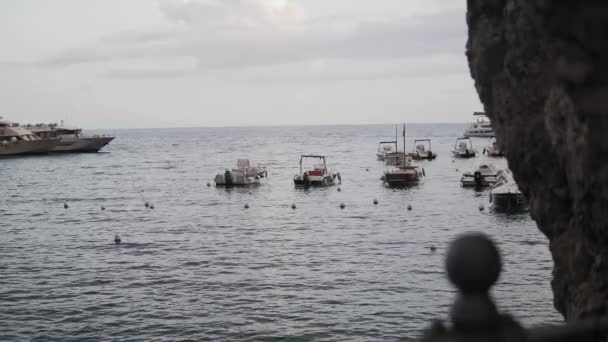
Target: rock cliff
x,y
541,70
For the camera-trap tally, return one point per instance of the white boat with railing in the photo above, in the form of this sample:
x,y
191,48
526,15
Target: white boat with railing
x,y
506,196
242,175
486,175
480,128
385,148
422,150
464,148
71,138
15,140
319,175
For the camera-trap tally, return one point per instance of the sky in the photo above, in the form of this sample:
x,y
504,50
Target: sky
x,y
180,63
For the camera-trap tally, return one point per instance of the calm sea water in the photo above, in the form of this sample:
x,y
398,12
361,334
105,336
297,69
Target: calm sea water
x,y
200,267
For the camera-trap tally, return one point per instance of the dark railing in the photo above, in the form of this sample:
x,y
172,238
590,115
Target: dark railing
x,y
473,265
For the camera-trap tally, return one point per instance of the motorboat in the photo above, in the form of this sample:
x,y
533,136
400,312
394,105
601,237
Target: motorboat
x,y
71,138
505,196
422,150
15,140
385,148
401,174
318,175
464,148
485,176
480,128
493,150
243,175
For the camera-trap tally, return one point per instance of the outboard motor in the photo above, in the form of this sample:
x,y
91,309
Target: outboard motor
x,y
478,179
228,178
306,179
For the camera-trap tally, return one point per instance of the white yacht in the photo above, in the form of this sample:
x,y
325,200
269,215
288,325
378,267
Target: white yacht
x,y
242,175
15,139
71,138
480,128
320,175
486,175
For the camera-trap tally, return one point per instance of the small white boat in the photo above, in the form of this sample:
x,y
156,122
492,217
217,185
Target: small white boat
x,y
384,148
486,175
319,175
464,148
15,140
242,175
506,196
493,150
480,128
71,138
422,150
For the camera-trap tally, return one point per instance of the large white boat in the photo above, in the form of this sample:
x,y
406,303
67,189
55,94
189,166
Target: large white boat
x,y
71,138
242,175
320,175
15,139
480,128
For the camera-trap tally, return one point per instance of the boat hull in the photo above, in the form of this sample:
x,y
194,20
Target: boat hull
x,y
28,147
416,156
321,181
230,179
468,154
401,179
507,202
82,144
488,134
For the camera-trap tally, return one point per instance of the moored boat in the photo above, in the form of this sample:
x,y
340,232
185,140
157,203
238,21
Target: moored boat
x,y
319,175
480,128
401,174
242,175
71,138
385,148
422,150
493,150
15,140
486,175
464,148
506,196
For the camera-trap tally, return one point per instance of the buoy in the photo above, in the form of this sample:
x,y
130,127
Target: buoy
x,y
246,206
342,206
366,169
147,204
65,205
375,201
409,207
208,184
103,208
151,206
251,193
456,170
339,189
117,239
433,248
293,206
452,160
481,207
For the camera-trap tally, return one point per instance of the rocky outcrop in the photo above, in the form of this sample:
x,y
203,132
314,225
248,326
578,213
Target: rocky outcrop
x,y
541,70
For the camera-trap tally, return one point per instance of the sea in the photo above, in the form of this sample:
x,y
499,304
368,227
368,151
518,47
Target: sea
x,y
202,267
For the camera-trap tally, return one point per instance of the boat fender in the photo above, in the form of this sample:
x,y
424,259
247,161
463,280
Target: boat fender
x,y
490,197
423,172
484,151
339,178
478,178
228,178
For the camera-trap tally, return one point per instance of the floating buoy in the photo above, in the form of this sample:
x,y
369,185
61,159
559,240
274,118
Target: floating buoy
x,y
293,205
208,184
456,170
409,207
65,205
452,160
342,206
251,193
481,207
375,201
151,206
147,204
117,239
433,248
339,189
366,169
246,206
103,208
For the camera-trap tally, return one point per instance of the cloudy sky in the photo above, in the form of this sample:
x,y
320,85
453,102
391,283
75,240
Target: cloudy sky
x,y
175,63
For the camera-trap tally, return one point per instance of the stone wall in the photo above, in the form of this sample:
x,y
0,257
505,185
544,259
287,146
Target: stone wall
x,y
541,70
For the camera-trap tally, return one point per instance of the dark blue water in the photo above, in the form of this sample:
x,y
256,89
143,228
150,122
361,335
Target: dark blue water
x,y
200,267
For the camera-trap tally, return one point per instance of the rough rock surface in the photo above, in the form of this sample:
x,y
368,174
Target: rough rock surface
x,y
541,70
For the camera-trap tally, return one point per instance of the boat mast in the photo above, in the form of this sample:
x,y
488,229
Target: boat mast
x,y
404,145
